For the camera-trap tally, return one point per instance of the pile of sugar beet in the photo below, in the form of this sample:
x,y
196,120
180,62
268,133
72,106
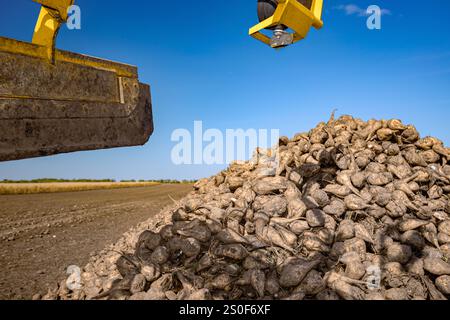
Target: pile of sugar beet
x,y
351,210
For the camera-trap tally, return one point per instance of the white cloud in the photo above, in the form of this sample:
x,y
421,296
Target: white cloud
x,y
353,9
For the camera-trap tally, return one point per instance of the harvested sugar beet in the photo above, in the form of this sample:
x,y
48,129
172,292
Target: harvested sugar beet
x,y
353,210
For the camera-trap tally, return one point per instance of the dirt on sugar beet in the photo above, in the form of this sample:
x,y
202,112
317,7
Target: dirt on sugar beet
x,y
43,234
350,210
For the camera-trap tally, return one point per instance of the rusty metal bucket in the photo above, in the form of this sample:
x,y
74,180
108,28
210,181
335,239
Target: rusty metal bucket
x,y
75,103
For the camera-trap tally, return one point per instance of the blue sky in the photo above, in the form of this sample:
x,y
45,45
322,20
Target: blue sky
x,y
202,65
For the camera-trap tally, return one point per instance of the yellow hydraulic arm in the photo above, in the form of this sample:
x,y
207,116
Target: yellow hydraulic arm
x,y
52,15
54,101
296,16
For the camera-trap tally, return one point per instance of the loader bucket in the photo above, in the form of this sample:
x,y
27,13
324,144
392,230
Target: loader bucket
x,y
75,103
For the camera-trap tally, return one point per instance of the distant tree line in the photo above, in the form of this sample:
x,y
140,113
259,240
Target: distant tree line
x,y
51,180
173,181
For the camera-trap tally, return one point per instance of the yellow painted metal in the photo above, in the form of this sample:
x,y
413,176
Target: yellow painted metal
x,y
53,13
60,6
317,8
293,15
37,51
46,31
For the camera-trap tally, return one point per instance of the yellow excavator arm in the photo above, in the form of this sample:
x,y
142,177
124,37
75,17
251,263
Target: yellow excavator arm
x,y
52,15
53,101
298,16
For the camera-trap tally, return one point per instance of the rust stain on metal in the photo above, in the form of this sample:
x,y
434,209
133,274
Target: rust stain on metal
x,y
80,103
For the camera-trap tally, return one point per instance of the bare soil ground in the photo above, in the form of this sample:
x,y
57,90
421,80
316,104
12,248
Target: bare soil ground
x,y
42,234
